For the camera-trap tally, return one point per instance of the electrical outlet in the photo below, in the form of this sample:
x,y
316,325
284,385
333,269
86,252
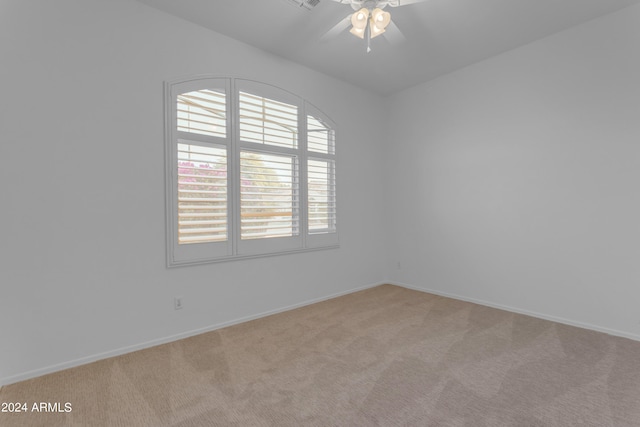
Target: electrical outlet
x,y
177,303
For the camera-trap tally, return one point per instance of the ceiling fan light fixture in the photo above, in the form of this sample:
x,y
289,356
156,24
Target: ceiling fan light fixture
x,y
380,18
379,22
369,19
359,19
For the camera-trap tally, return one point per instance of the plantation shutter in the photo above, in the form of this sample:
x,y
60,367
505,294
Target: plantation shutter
x,y
202,193
202,168
202,112
322,195
269,195
251,171
200,163
321,175
319,136
266,121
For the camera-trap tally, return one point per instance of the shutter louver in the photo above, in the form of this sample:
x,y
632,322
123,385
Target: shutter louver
x,y
319,137
265,121
202,112
268,195
202,194
322,196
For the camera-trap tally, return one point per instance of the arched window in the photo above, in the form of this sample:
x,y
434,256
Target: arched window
x,y
251,171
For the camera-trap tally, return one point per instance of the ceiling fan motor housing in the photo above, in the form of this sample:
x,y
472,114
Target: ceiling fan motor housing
x,y
369,4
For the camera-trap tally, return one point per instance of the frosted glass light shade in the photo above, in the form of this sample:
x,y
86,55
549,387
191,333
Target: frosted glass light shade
x,y
379,21
380,18
359,21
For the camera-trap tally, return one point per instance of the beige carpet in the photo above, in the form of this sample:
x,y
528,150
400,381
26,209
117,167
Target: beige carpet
x,y
385,356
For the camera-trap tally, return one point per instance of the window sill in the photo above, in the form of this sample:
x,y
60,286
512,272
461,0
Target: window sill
x,y
177,264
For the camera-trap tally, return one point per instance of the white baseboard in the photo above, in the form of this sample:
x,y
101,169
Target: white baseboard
x,y
124,350
511,309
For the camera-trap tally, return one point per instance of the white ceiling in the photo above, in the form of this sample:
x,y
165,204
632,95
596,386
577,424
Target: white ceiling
x,y
439,35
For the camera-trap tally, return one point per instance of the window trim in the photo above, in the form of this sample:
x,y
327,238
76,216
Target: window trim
x,y
235,248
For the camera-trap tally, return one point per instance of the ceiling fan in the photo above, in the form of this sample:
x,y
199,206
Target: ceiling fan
x,y
369,19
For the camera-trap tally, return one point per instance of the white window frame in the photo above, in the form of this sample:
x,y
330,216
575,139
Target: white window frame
x,y
329,237
234,247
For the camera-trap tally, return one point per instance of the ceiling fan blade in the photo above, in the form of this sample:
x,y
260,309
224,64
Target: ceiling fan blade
x,y
393,34
396,3
337,29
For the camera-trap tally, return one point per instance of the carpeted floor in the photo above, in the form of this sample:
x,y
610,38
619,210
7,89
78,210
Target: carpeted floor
x,y
385,356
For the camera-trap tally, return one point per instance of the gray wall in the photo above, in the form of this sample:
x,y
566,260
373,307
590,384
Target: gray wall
x,y
82,253
516,181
